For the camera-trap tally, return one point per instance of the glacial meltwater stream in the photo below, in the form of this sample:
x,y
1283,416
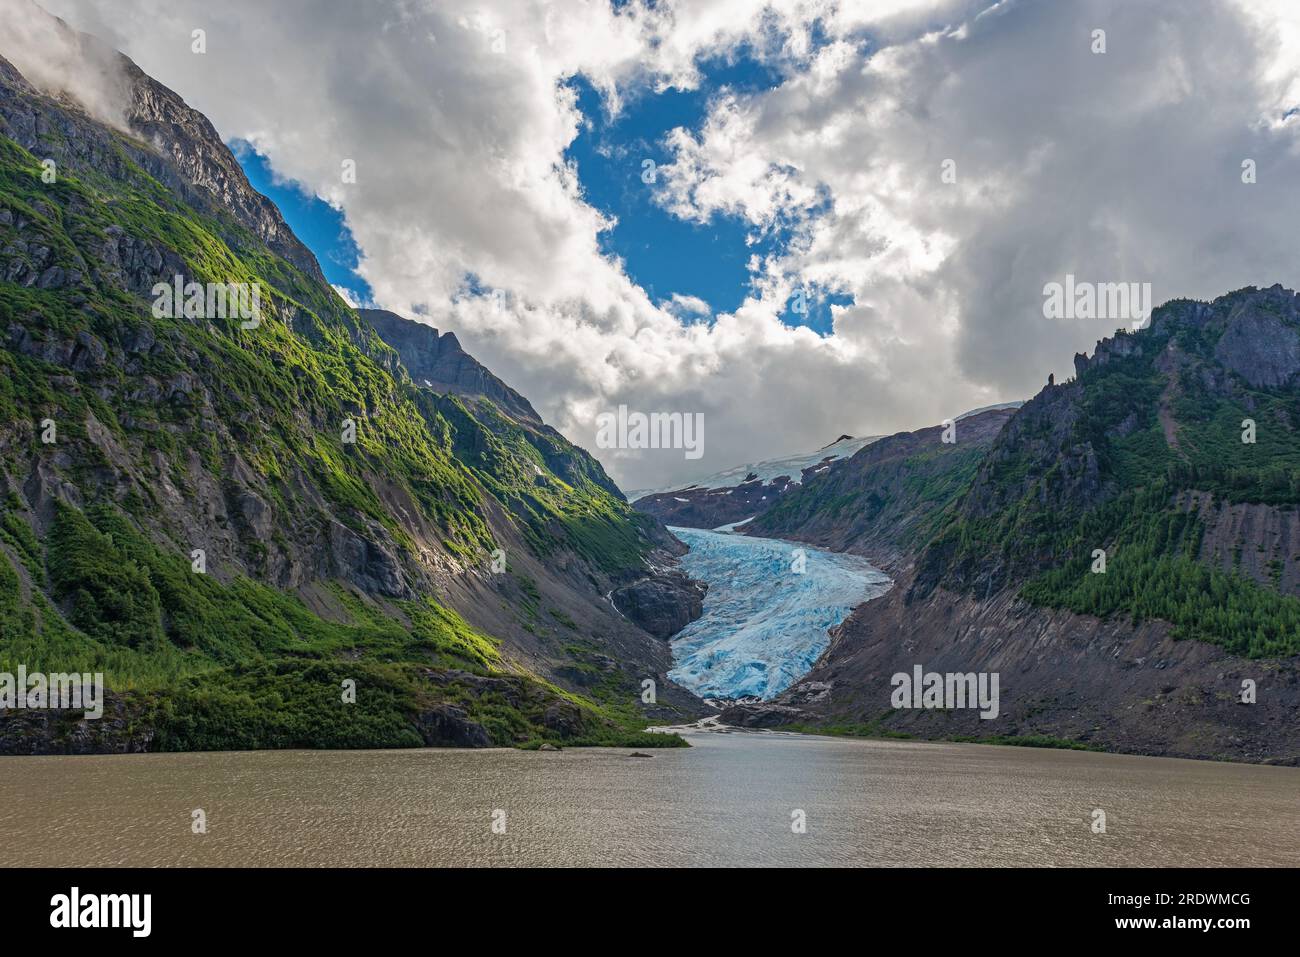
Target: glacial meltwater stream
x,y
766,613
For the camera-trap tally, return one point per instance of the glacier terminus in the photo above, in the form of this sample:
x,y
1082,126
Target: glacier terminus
x,y
767,612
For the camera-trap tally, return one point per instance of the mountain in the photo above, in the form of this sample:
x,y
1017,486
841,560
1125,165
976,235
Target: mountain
x,y
437,362
770,469
232,517
737,494
1174,453
743,494
884,500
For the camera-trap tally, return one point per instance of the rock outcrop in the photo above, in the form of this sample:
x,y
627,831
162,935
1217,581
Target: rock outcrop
x,y
662,604
438,362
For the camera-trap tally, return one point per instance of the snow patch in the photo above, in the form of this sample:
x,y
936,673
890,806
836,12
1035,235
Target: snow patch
x,y
733,526
792,466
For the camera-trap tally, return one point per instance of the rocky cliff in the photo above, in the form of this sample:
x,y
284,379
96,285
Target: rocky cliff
x,y
438,362
662,604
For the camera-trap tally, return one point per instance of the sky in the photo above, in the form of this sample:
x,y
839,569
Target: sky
x,y
318,224
622,204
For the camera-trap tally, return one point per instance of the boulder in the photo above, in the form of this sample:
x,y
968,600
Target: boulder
x,y
447,726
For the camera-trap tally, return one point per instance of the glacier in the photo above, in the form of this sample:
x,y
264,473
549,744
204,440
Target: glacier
x,y
764,623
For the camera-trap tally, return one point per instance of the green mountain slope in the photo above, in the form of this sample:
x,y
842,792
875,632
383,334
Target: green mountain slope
x,y
887,499
438,546
1124,552
1140,457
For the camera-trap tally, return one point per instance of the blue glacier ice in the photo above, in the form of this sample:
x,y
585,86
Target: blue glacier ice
x,y
764,624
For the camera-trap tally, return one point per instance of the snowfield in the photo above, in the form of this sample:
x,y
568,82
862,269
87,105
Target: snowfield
x,y
791,466
764,624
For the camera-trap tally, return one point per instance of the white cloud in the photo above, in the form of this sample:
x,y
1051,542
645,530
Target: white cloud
x,y
57,60
353,298
1120,166
687,307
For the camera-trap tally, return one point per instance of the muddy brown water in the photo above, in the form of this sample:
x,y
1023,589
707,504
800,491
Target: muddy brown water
x,y
729,800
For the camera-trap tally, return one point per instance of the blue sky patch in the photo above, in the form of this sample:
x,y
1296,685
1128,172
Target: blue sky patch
x,y
318,224
661,253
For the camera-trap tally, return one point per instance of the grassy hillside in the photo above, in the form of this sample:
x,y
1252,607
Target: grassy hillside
x,y
324,558
888,498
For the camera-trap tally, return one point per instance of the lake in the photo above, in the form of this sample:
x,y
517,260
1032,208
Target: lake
x,y
726,801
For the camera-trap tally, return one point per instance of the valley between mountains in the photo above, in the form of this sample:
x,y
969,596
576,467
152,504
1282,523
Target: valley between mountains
x,y
1173,452
235,522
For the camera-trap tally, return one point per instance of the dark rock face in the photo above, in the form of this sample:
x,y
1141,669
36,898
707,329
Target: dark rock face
x,y
447,726
1250,539
119,731
663,604
697,507
1260,348
366,563
563,719
438,361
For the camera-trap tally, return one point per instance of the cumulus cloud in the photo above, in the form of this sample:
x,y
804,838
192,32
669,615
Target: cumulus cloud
x,y
1122,166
